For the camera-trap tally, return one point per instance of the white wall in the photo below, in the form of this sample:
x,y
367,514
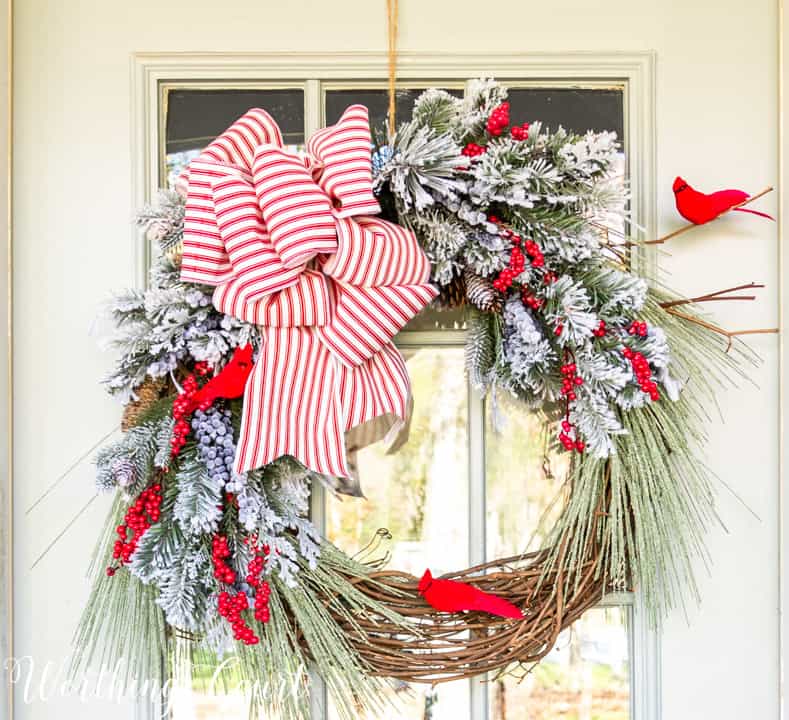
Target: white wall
x,y
717,125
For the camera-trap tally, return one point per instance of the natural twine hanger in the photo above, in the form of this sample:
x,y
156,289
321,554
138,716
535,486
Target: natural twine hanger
x,y
392,11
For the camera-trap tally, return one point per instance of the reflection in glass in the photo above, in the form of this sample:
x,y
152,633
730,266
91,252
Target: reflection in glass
x,y
195,704
377,102
525,478
575,109
194,117
449,701
421,495
432,318
585,676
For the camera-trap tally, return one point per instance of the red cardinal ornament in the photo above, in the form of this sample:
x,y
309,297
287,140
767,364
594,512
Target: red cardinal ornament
x,y
700,208
454,596
229,383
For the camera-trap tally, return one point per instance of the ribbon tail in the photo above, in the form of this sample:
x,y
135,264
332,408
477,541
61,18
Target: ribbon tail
x,y
399,434
292,405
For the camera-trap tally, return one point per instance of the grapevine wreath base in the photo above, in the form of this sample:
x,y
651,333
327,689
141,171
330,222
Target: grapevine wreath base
x,y
209,548
438,647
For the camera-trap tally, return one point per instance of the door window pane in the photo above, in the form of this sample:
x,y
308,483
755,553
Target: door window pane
x,y
420,494
195,117
524,478
377,102
575,109
585,676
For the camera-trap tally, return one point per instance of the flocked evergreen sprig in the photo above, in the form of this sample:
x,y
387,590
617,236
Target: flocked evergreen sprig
x,y
524,210
167,325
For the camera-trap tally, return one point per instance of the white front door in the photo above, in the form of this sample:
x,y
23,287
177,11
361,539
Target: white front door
x,y
97,95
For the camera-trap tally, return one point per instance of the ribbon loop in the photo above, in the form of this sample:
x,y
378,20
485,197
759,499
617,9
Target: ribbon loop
x,y
372,252
289,245
256,264
297,213
344,153
204,258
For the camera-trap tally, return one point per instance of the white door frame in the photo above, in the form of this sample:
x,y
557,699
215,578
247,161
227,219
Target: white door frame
x,y
783,351
6,364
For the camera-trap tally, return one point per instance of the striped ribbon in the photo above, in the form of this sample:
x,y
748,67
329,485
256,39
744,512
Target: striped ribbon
x,y
291,245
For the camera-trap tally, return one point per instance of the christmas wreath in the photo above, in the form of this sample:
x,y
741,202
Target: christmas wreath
x,y
260,358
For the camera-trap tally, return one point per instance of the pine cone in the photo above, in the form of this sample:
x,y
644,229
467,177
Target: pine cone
x,y
481,293
147,394
452,295
174,253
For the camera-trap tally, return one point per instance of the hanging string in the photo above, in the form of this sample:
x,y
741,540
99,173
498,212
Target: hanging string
x,y
391,28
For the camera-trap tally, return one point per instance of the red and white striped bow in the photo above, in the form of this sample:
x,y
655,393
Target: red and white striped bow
x,y
289,243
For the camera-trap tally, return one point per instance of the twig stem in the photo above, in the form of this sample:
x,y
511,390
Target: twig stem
x,y
730,334
717,295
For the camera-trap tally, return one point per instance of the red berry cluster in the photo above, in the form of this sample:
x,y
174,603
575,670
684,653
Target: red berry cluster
x,y
637,328
599,331
643,373
219,554
516,266
534,251
473,150
566,437
570,381
202,368
550,277
230,607
499,119
520,132
262,588
558,329
139,517
182,408
530,300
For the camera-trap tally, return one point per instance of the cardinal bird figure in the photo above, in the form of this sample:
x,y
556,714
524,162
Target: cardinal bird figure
x,y
700,208
454,596
229,383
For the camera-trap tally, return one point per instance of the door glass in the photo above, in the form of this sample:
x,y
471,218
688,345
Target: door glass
x,y
587,675
524,478
584,677
575,109
377,102
420,495
194,117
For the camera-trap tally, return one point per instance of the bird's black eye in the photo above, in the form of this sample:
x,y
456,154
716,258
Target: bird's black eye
x,y
682,187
